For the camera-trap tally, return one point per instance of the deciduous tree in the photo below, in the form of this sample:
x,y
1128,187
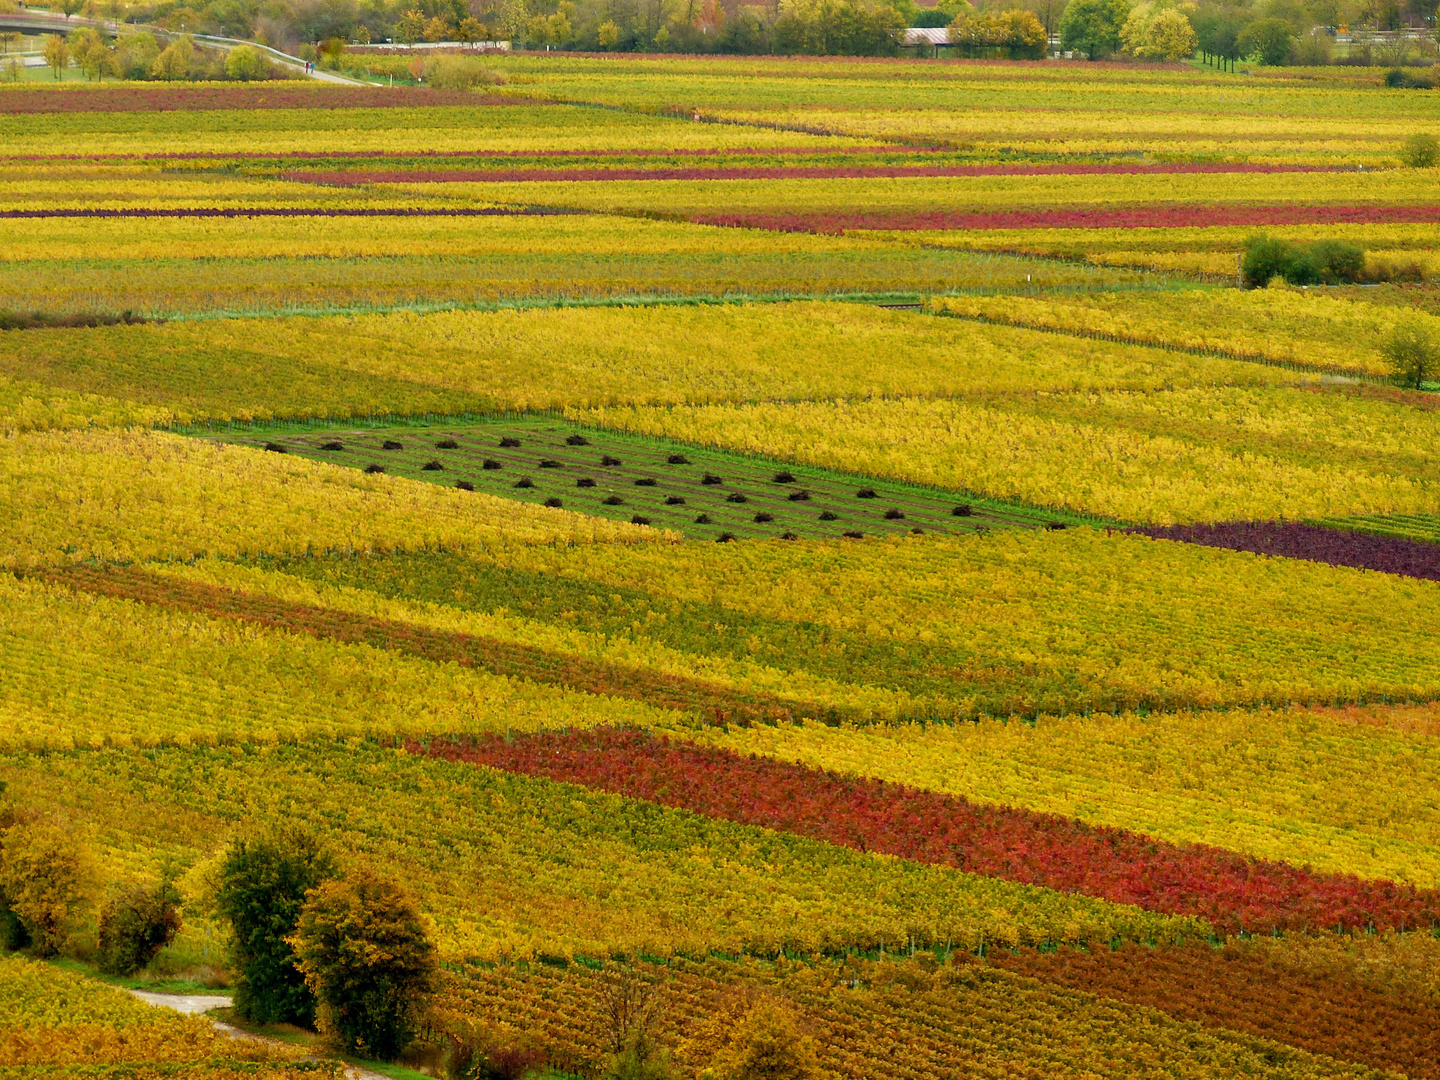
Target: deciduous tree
x,y
263,883
1093,26
135,925
47,881
365,952
57,53
1412,356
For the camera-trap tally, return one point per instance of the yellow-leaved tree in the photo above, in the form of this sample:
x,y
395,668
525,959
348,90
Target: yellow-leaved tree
x,y
46,882
753,1037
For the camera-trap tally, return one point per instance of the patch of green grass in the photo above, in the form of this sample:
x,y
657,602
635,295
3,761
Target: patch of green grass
x,y
163,984
297,1036
1406,526
702,493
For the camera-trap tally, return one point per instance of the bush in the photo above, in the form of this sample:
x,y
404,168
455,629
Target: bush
x,y
46,882
1299,266
1420,151
174,63
1315,49
1271,40
367,958
1329,262
136,925
263,883
640,1058
246,63
13,934
1338,262
1396,79
458,73
1411,354
766,1044
476,1057
1383,269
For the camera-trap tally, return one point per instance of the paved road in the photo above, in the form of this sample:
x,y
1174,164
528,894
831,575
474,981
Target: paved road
x,y
46,24
190,1004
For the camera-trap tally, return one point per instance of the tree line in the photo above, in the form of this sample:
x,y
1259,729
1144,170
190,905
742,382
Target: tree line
x,y
1220,31
137,54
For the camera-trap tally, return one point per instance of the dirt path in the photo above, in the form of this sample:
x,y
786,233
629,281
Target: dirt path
x,y
199,1004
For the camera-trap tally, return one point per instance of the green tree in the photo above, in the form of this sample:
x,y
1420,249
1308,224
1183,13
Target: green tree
x,y
1338,262
246,63
1411,354
263,881
1265,258
135,925
1421,151
174,63
366,956
135,55
97,60
410,27
1093,26
47,881
744,33
57,53
1217,32
1268,39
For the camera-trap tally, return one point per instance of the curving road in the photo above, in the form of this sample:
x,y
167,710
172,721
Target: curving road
x,y
39,23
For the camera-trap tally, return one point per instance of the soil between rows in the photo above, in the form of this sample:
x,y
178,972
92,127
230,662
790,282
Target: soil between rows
x,y
641,478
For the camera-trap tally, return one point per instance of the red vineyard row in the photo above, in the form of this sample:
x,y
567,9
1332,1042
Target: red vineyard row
x,y
772,172
1234,892
478,155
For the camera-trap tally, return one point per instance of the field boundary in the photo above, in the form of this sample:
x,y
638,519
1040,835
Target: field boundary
x,y
663,300
1189,350
428,420
713,703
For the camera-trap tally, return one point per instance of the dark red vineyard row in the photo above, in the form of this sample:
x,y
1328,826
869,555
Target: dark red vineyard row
x,y
1260,991
1295,540
477,155
1233,891
772,172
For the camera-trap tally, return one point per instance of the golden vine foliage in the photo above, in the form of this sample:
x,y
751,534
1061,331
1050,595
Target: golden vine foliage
x,y
59,1023
143,675
1161,458
1284,325
119,496
33,406
1043,622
